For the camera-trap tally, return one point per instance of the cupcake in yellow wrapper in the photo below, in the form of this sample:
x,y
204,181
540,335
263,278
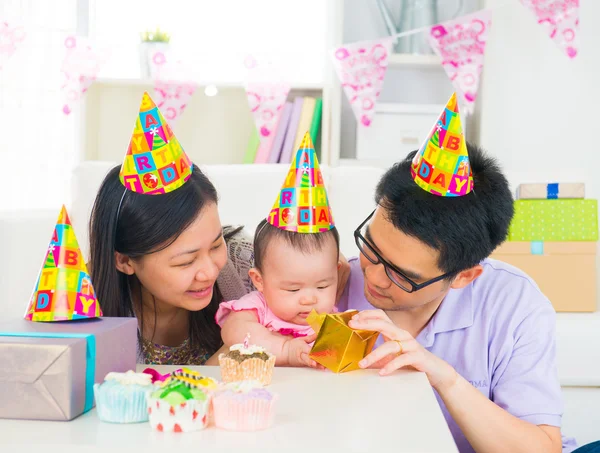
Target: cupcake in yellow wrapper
x,y
245,362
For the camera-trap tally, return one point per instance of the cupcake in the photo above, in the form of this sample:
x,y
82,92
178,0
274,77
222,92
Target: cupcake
x,y
243,406
246,362
192,379
178,407
121,398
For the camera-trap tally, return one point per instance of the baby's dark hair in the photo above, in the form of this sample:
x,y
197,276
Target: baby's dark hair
x,y
304,242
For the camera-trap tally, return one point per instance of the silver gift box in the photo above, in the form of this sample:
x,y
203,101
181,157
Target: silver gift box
x,y
47,369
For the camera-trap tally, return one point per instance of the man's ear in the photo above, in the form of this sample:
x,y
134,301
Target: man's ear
x,y
256,278
124,264
467,276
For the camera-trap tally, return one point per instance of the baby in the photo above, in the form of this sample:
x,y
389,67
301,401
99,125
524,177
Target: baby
x,y
294,274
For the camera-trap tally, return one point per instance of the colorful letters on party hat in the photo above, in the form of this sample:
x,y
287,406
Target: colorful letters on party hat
x,y
64,288
441,166
155,162
302,205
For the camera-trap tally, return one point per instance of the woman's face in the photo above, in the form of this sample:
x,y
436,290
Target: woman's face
x,y
183,275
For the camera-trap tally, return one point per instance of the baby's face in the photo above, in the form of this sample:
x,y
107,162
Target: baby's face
x,y
295,283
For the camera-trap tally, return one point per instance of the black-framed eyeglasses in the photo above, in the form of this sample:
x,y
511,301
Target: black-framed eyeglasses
x,y
393,273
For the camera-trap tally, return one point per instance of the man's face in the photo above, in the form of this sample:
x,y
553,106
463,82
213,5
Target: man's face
x,y
415,259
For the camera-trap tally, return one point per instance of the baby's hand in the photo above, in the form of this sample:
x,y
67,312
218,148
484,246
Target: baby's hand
x,y
298,350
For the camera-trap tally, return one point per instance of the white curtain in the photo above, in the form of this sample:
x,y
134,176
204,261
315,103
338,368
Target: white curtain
x,y
38,147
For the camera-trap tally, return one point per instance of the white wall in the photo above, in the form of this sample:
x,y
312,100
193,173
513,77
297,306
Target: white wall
x,y
540,108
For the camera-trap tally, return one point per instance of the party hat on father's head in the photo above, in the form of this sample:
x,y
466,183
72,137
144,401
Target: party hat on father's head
x,y
155,162
64,290
302,204
441,166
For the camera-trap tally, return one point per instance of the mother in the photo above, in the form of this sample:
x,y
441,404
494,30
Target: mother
x,y
166,260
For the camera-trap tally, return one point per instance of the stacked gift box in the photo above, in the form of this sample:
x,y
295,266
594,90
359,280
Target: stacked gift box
x,y
553,238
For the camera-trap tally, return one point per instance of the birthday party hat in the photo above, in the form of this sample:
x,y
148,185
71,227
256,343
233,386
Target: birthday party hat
x,y
441,166
302,204
155,162
64,288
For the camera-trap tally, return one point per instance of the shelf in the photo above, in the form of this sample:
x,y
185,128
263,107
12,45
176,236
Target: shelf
x,y
150,82
398,60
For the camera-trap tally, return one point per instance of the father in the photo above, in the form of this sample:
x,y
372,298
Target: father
x,y
480,329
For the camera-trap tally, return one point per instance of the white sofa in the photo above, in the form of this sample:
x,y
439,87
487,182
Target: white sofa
x,y
247,192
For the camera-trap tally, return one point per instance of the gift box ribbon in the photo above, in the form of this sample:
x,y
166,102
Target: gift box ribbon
x,y
552,191
90,355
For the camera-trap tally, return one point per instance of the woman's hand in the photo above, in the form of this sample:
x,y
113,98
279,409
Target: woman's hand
x,y
343,276
401,350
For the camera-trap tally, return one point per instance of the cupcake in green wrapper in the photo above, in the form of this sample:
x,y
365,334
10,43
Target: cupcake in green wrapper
x,y
121,398
178,407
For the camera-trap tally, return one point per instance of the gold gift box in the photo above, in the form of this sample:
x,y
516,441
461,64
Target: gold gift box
x,y
339,347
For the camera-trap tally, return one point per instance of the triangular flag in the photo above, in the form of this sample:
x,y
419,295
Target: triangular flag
x,y
361,68
155,162
302,204
174,84
560,18
460,43
441,166
79,68
266,92
11,37
64,288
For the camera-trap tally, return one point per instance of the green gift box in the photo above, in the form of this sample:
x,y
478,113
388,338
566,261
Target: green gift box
x,y
554,220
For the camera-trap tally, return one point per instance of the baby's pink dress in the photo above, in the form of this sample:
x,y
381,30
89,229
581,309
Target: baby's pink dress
x,y
255,301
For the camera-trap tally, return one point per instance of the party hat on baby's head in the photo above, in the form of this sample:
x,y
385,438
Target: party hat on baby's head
x,y
441,166
302,205
64,288
155,162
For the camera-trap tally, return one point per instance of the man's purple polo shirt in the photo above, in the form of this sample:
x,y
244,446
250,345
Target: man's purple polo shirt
x,y
499,333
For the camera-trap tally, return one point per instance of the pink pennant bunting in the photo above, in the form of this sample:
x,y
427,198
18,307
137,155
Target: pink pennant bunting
x,y
79,68
267,92
11,37
460,43
174,85
361,68
560,18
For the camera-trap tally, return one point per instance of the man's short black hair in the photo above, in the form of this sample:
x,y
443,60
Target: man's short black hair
x,y
304,242
464,230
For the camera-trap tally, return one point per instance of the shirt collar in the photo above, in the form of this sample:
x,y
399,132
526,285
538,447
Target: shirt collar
x,y
455,312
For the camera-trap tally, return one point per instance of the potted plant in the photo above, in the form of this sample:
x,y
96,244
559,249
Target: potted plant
x,y
151,42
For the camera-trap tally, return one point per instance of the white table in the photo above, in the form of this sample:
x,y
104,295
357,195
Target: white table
x,y
317,410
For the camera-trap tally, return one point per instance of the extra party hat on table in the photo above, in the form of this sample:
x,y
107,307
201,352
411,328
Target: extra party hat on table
x,y
64,290
441,166
155,162
302,205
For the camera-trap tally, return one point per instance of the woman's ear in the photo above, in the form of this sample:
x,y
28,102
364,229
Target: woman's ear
x,y
256,278
124,264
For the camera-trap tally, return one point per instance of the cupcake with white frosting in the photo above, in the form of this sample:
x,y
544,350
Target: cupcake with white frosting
x,y
121,398
246,362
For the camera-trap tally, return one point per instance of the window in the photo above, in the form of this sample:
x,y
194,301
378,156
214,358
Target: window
x,y
214,36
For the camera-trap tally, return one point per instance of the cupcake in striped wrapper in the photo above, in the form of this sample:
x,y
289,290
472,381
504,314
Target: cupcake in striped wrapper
x,y
243,406
192,379
246,362
177,407
121,398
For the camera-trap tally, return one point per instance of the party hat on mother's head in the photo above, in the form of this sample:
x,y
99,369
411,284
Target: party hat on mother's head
x,y
64,290
441,166
302,205
155,162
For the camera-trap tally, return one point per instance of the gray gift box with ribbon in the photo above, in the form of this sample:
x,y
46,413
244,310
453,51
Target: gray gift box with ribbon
x,y
48,369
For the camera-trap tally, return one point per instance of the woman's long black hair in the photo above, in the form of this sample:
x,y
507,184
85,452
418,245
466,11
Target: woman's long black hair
x,y
146,224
